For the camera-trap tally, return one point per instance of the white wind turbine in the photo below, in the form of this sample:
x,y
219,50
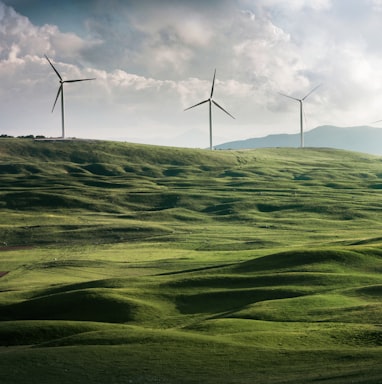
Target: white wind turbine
x,y
301,101
61,91
210,101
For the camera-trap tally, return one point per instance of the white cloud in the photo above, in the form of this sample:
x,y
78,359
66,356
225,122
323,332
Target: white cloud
x,y
377,5
19,37
297,5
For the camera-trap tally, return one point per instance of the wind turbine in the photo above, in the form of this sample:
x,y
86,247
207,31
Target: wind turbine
x,y
210,101
301,101
61,91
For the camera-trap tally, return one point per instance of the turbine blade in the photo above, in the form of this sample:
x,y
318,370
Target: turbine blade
x,y
222,108
58,94
318,86
55,70
75,81
202,102
213,85
290,97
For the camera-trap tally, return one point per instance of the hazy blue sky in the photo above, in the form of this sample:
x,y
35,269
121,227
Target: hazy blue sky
x,y
152,59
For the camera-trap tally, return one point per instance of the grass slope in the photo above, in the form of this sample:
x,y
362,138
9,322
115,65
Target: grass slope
x,y
148,264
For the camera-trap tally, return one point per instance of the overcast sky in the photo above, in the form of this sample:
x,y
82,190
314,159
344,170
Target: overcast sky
x,y
152,59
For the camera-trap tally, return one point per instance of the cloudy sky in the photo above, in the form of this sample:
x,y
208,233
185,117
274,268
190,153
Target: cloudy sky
x,y
152,59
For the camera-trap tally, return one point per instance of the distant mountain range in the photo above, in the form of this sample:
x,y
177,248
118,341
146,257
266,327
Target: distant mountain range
x,y
360,139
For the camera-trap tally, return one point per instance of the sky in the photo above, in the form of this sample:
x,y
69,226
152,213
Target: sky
x,y
153,59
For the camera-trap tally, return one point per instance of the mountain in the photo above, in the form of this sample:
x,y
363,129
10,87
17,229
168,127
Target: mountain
x,y
360,139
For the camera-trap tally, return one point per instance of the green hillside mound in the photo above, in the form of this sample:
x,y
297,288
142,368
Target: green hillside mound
x,y
36,332
83,305
318,308
227,300
320,260
371,291
39,200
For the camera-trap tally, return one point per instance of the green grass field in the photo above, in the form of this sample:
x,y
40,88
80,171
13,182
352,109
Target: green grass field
x,y
124,263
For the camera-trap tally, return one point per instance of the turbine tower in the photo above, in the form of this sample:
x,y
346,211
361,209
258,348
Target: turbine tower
x,y
61,91
301,101
210,101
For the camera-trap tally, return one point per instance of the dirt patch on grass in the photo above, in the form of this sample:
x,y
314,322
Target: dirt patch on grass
x,y
3,274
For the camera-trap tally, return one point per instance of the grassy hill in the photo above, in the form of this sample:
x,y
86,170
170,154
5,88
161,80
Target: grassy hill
x,y
124,263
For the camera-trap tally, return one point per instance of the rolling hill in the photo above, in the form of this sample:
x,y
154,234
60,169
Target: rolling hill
x,y
360,139
117,191
124,263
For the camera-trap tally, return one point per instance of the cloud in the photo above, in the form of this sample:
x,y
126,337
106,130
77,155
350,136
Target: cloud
x,y
377,5
155,40
19,37
297,5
